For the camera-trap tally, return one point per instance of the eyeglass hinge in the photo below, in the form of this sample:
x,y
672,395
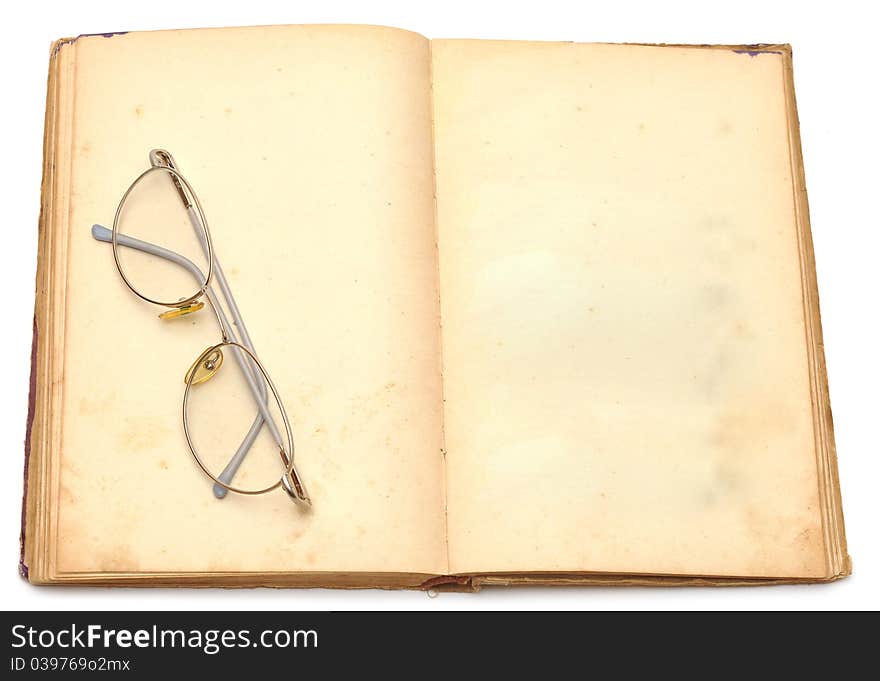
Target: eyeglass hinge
x,y
159,158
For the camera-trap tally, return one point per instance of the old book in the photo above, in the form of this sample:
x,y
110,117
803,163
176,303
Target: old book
x,y
540,313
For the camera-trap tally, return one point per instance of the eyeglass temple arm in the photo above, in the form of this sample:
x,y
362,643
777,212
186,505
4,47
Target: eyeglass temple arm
x,y
293,483
101,233
257,385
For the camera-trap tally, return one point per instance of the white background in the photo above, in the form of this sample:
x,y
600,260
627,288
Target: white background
x,y
836,83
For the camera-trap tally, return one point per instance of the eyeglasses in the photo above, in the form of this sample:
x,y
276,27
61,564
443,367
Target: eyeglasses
x,y
161,243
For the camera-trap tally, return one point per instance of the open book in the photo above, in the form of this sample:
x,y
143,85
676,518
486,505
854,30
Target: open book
x,y
539,312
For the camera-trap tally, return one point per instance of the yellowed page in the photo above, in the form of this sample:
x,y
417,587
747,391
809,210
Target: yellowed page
x,y
625,366
310,149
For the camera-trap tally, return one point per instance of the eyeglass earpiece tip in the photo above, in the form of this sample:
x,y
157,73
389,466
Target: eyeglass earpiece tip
x,y
296,490
101,233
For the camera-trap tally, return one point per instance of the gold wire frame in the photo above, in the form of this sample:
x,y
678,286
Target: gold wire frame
x,y
190,381
162,161
185,191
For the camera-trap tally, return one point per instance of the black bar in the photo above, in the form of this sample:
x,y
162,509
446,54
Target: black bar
x,y
551,645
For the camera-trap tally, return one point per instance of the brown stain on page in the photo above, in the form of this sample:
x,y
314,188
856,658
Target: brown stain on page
x,y
789,532
119,558
725,128
93,405
744,436
740,430
741,436
142,433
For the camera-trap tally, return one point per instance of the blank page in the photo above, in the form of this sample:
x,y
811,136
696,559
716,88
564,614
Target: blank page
x,y
625,367
310,149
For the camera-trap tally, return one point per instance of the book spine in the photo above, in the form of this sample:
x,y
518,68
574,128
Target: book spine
x,y
460,583
32,398
39,288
